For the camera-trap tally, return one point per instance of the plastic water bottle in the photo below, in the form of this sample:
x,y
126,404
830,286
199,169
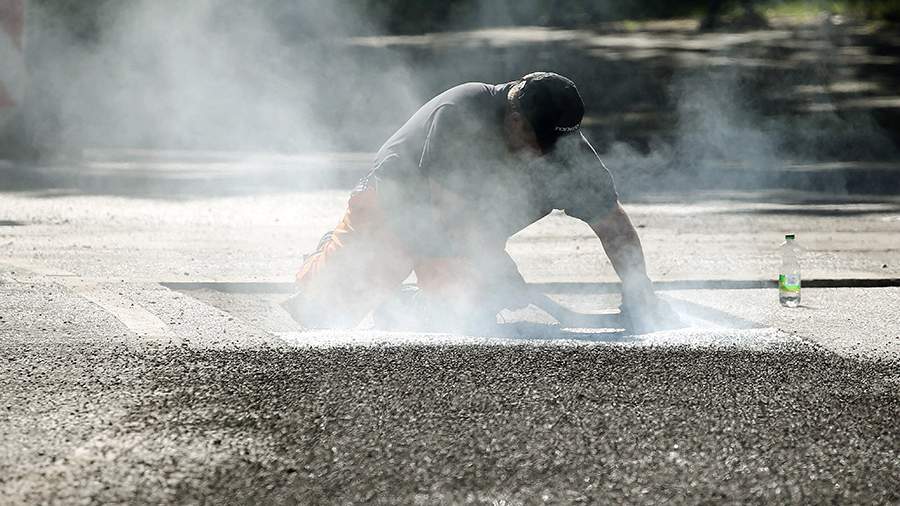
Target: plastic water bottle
x,y
789,278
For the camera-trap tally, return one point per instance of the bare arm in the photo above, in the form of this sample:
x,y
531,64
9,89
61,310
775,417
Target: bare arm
x,y
622,245
592,192
644,310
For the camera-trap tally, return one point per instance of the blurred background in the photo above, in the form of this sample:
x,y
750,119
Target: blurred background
x,y
699,93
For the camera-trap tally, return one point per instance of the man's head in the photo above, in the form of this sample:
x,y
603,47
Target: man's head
x,y
543,107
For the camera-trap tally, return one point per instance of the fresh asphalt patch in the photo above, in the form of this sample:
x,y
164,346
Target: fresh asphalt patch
x,y
493,424
359,415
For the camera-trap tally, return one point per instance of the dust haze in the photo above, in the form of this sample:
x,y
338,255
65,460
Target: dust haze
x,y
290,77
209,74
295,77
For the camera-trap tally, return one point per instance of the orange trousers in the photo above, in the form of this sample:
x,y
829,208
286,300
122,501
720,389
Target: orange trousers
x,y
362,262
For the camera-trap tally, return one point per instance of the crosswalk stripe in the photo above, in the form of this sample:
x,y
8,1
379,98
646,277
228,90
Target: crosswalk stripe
x,y
130,313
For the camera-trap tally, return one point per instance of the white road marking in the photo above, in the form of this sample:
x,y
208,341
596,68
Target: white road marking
x,y
130,313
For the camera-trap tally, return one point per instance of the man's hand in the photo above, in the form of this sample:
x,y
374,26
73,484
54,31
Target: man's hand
x,y
640,306
645,312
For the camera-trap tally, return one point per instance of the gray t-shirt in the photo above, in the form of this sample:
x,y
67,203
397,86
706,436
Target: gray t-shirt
x,y
447,180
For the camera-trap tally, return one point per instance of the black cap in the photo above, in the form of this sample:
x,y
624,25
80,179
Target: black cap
x,y
551,104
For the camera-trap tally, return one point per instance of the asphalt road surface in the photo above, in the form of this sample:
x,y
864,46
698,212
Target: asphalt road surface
x,y
115,388
225,412
425,424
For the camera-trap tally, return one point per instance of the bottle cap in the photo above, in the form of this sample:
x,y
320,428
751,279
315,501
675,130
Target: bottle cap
x,y
789,237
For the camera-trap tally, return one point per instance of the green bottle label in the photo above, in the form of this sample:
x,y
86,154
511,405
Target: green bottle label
x,y
789,283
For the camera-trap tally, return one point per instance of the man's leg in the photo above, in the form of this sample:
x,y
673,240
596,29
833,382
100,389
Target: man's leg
x,y
468,292
354,268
